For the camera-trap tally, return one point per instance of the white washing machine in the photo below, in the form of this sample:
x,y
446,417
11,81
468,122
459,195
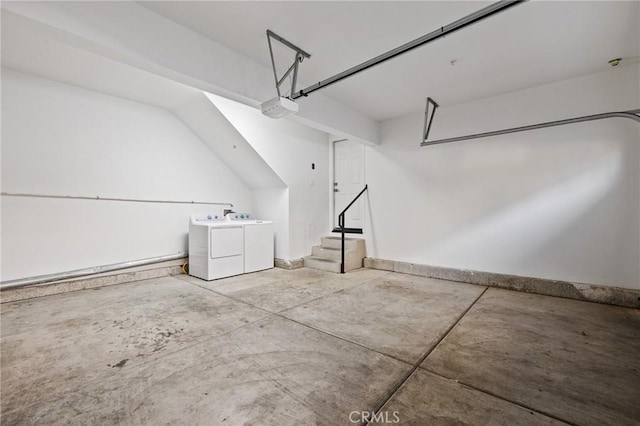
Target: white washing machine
x,y
258,241
216,247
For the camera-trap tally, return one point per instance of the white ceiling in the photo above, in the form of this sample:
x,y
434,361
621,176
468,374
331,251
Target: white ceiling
x,y
26,50
525,46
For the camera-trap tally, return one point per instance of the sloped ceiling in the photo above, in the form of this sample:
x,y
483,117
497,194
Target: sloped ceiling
x,y
220,135
31,52
136,36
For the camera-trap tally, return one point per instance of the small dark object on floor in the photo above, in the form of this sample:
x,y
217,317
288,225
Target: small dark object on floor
x,y
119,365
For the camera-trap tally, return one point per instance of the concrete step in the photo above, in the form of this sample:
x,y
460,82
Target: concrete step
x,y
326,252
326,256
321,263
334,253
349,243
330,265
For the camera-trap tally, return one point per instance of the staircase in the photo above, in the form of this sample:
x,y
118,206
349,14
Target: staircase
x,y
326,256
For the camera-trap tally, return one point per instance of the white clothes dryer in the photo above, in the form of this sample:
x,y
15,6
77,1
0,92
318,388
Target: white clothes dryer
x,y
258,241
216,247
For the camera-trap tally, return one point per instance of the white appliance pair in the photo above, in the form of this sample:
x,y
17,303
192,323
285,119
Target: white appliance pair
x,y
221,246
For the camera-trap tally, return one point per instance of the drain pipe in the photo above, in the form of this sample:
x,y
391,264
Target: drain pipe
x,y
24,282
98,198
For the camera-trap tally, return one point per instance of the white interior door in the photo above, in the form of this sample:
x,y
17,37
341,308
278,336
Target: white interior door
x,y
348,161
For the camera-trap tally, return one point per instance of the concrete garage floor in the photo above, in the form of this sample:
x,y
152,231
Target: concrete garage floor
x,y
307,347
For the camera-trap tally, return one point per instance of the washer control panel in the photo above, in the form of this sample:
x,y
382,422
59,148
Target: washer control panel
x,y
210,217
240,216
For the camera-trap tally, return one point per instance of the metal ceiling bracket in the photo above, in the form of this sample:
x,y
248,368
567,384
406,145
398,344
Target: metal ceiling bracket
x,y
428,119
298,58
633,114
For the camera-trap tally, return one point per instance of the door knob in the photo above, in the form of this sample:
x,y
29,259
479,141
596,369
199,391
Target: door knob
x,y
336,190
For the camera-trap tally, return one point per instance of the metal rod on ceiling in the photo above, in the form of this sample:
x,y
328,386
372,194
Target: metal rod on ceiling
x,y
288,43
77,273
428,119
296,61
300,55
98,198
286,74
434,35
632,114
273,62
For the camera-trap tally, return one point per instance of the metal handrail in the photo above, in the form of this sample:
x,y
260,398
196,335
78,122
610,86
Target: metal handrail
x,y
341,225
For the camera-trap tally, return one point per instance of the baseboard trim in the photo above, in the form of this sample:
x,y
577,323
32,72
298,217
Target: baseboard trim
x,y
122,277
587,292
289,264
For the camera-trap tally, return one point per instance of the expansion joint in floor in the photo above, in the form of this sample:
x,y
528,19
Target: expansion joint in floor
x,y
470,386
406,377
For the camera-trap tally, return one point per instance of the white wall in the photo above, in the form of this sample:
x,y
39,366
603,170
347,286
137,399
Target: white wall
x,y
273,204
290,148
560,203
60,139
